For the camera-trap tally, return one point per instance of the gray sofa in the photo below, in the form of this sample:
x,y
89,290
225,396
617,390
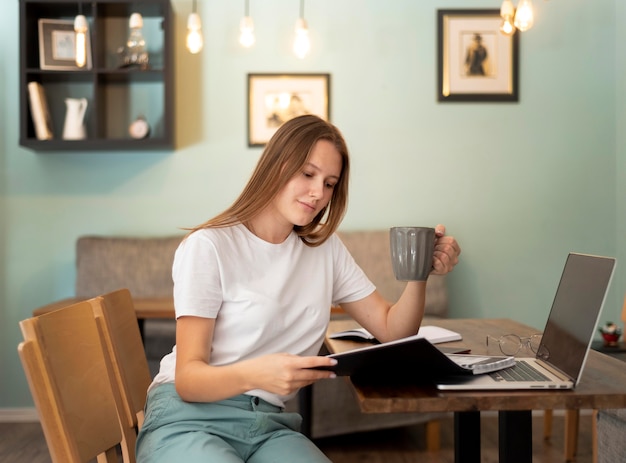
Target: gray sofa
x,y
611,435
143,265
334,408
611,426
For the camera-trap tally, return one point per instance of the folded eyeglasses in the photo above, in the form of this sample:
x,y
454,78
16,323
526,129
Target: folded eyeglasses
x,y
511,344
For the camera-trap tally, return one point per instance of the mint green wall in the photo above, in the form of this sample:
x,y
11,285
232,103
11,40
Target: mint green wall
x,y
519,185
620,122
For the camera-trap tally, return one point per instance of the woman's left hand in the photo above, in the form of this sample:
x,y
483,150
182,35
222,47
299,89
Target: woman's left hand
x,y
447,251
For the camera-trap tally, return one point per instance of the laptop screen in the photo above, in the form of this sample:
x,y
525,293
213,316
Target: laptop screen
x,y
575,312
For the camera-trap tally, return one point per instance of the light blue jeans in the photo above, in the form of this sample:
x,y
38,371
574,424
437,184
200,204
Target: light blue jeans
x,y
241,429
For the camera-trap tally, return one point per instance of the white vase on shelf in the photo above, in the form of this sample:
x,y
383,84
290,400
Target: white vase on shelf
x,y
74,127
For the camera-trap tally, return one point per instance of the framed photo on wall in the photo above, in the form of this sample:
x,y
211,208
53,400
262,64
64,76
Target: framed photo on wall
x,y
57,45
276,98
476,62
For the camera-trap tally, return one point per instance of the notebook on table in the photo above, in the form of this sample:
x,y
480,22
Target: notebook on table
x,y
411,360
566,338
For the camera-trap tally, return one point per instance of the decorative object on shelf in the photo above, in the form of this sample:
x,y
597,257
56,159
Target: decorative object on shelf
x,y
139,128
195,42
81,29
39,111
302,42
276,98
74,127
475,61
135,53
246,28
57,45
610,334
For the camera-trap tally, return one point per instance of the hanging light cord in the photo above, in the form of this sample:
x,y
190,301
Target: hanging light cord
x,y
193,6
247,8
302,8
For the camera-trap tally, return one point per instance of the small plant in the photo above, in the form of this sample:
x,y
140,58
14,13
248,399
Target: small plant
x,y
610,333
611,328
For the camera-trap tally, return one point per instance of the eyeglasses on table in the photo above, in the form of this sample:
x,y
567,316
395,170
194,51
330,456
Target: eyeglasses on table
x,y
511,344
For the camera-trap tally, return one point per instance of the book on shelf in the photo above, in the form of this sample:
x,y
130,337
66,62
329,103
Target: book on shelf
x,y
434,334
39,111
412,359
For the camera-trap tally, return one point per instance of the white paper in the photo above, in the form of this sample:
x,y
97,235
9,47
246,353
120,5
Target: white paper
x,y
434,334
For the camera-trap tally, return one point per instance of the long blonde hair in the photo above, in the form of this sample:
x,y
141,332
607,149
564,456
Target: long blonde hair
x,y
283,157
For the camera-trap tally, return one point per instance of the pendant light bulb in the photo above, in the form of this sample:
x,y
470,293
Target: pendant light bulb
x,y
246,27
301,43
507,12
195,41
524,16
80,28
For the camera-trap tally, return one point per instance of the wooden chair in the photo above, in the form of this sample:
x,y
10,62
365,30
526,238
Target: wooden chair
x,y
119,328
570,444
64,361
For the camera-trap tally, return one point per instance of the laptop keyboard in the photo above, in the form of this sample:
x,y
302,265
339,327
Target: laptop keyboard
x,y
522,371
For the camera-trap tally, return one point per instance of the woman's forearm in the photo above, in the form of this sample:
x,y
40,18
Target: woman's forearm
x,y
405,316
198,382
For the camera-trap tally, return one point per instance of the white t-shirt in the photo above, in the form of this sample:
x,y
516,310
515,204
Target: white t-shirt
x,y
266,298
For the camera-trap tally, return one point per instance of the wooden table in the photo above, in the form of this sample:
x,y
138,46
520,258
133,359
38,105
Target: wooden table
x,y
603,385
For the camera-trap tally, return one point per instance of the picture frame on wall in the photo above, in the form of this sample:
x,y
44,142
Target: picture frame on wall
x,y
57,45
275,98
476,62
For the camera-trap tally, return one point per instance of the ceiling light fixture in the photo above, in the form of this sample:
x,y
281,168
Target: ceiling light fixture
x,y
301,43
524,15
194,31
246,27
507,11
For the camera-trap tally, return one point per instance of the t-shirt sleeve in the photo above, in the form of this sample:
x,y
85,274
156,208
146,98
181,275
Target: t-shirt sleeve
x,y
196,275
350,282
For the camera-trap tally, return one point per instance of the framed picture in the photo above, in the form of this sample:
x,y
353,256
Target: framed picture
x,y
476,62
276,98
57,45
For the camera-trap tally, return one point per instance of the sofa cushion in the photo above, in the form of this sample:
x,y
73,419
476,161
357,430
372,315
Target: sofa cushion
x,y
143,265
610,432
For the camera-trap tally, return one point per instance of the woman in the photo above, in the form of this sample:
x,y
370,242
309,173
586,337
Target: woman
x,y
253,289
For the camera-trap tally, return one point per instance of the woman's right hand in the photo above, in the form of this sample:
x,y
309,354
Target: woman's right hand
x,y
284,373
198,381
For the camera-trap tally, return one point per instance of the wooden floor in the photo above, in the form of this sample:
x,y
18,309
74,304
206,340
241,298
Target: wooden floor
x,y
24,443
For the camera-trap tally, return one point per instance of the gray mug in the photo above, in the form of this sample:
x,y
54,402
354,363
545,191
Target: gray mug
x,y
412,252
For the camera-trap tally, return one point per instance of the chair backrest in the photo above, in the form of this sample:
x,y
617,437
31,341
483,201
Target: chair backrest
x,y
115,314
65,365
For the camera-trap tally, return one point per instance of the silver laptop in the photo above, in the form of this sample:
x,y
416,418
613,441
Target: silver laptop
x,y
567,336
